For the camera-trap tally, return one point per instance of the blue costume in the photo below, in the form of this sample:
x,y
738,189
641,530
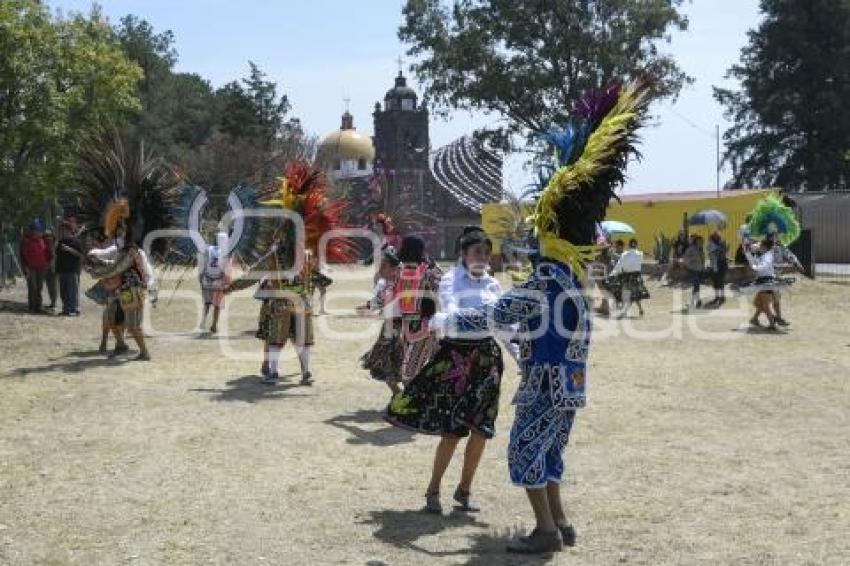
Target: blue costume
x,y
554,326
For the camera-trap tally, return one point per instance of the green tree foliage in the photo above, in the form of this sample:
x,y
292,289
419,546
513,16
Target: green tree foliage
x,y
791,124
216,138
529,61
59,78
178,110
252,141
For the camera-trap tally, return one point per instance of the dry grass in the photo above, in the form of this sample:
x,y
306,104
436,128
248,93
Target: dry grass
x,y
690,452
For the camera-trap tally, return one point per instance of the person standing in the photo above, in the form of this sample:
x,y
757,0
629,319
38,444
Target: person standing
x,y
719,265
50,280
69,252
628,270
35,260
215,276
694,262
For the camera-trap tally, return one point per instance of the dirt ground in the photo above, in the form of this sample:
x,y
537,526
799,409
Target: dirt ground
x,y
703,443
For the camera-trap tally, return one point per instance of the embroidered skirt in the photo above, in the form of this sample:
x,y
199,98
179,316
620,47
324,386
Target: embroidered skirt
x,y
279,323
385,358
457,391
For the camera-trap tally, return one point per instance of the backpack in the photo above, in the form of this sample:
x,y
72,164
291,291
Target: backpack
x,y
407,288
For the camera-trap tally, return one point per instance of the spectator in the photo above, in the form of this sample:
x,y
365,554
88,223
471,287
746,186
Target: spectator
x,y
68,265
694,262
719,263
35,259
50,274
628,270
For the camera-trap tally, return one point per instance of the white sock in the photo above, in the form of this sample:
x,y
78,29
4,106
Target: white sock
x,y
274,358
304,358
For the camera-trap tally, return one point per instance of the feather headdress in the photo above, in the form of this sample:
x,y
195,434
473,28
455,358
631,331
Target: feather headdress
x,y
304,190
771,216
587,166
117,213
117,184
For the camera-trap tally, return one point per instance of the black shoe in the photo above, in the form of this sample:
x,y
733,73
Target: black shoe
x,y
264,369
307,379
119,349
568,534
432,504
537,542
463,498
270,379
782,322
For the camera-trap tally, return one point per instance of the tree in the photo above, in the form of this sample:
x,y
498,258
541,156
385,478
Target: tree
x,y
791,124
529,61
59,78
178,109
253,111
252,142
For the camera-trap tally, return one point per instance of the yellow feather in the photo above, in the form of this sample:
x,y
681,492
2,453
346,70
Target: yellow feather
x,y
115,213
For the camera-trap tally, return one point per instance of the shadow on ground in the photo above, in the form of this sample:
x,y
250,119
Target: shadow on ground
x,y
388,435
249,389
17,307
86,363
405,529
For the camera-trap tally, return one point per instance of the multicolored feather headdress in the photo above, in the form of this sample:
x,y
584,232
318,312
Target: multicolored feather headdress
x,y
771,216
304,189
192,213
587,166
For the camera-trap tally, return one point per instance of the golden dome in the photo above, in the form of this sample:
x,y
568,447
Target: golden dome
x,y
346,144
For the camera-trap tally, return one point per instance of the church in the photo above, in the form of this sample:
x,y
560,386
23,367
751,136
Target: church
x,y
435,192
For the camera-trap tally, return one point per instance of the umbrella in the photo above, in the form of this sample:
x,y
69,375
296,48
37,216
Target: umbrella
x,y
616,227
705,217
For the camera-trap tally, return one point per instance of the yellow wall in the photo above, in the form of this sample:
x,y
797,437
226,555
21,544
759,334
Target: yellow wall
x,y
649,218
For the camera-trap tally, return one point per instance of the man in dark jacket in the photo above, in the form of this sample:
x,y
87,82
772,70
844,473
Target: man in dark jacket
x,y
35,259
69,252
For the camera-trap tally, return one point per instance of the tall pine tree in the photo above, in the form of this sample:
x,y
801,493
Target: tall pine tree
x,y
792,123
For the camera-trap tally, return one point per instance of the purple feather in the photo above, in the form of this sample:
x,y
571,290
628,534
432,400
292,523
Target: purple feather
x,y
595,105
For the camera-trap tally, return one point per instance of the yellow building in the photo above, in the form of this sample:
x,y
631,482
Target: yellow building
x,y
653,214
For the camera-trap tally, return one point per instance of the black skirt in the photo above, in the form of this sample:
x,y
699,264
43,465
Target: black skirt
x,y
457,391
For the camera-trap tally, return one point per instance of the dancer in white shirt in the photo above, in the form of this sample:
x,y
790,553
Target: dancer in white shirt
x,y
457,393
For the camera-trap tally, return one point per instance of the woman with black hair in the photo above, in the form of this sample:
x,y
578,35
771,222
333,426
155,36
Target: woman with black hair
x,y
384,358
456,394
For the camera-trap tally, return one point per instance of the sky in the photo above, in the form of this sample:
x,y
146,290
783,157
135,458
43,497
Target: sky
x,y
325,51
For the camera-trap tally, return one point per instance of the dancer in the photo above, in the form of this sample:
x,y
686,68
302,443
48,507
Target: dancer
x,y
286,314
782,257
628,269
385,357
764,287
416,292
456,394
775,221
130,193
214,277
553,305
129,270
